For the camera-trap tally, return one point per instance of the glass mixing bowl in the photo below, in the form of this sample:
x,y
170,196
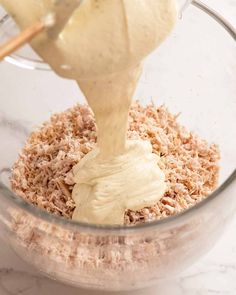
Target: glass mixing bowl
x,y
194,73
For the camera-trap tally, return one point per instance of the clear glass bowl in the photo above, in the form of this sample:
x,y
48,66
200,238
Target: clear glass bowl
x,y
194,73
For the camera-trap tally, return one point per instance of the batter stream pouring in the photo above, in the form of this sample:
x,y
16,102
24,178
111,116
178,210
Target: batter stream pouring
x,y
102,47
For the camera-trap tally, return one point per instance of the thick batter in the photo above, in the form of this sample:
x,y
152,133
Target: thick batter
x,y
102,46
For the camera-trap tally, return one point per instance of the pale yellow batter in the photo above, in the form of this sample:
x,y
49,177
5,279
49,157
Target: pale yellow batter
x,y
102,46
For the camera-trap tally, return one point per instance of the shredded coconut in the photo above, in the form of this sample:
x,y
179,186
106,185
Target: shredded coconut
x,y
42,175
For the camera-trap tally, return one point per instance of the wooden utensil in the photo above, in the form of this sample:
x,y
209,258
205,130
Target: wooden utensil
x,y
26,36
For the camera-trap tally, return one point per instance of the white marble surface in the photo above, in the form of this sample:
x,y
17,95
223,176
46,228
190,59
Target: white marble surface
x,y
214,274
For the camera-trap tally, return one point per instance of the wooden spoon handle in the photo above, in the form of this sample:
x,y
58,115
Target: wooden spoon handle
x,y
24,37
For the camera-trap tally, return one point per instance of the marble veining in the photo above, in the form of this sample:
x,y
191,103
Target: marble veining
x,y
27,282
15,126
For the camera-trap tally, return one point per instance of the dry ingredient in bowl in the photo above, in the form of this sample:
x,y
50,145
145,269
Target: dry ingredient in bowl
x,y
43,173
102,46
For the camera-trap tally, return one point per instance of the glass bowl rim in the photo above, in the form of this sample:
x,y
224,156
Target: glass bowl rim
x,y
58,220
